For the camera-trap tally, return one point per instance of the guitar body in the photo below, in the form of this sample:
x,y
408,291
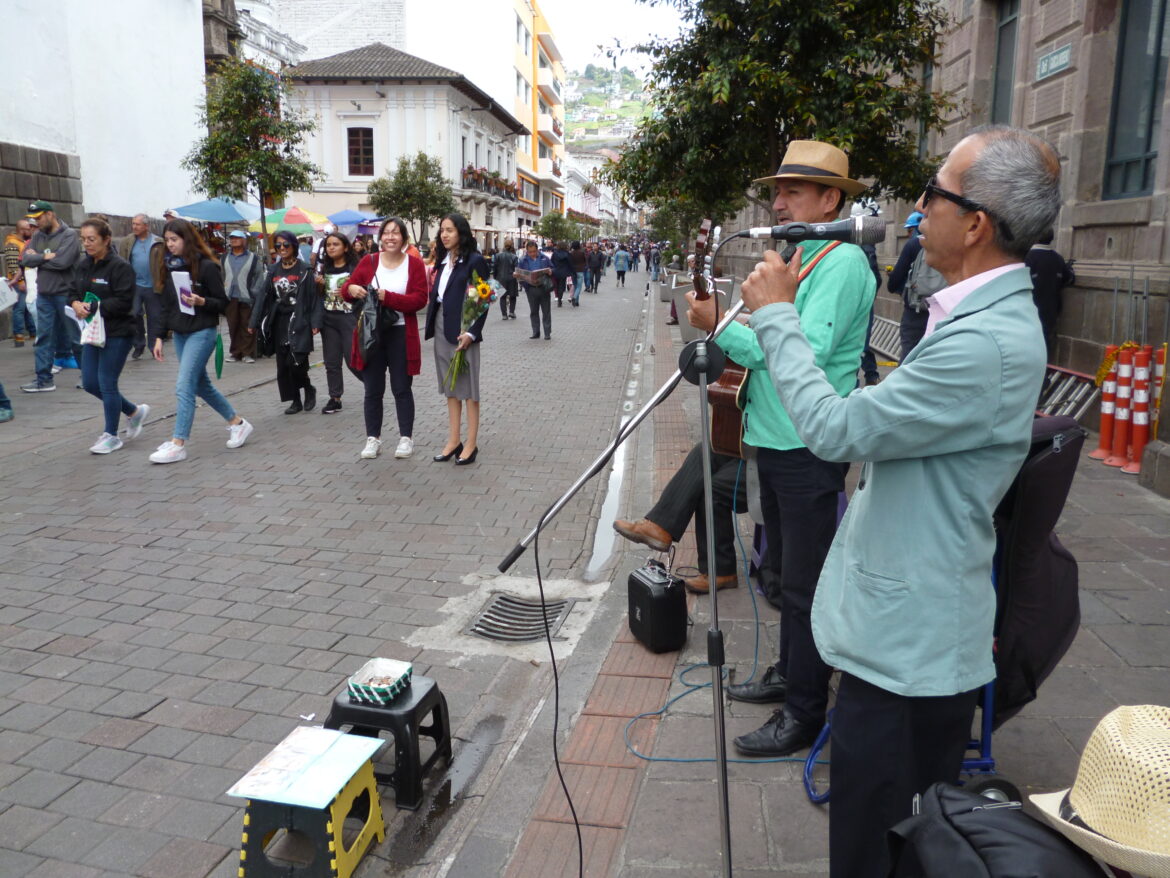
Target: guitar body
x,y
726,397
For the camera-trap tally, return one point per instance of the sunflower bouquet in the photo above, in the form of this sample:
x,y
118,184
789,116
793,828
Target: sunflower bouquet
x,y
480,295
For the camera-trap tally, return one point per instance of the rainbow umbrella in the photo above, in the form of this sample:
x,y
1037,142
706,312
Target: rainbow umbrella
x,y
292,219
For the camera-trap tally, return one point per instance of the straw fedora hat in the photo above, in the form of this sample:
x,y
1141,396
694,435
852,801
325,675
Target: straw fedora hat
x,y
816,162
1118,808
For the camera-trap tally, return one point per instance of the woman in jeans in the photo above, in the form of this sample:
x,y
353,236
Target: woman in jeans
x,y
338,320
192,316
397,283
108,276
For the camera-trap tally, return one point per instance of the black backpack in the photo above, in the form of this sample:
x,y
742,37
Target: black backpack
x,y
959,834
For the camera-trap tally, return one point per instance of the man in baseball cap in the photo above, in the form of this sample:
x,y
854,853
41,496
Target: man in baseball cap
x,y
53,251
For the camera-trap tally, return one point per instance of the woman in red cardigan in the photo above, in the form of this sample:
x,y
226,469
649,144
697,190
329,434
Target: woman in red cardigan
x,y
392,287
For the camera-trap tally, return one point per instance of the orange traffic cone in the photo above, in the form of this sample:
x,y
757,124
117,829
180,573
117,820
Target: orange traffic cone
x,y
1140,423
1108,396
1119,454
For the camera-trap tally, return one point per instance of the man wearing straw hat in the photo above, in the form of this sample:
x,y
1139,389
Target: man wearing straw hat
x,y
905,605
798,489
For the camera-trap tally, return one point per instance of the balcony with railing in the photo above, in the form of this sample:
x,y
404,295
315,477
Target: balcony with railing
x,y
484,185
549,127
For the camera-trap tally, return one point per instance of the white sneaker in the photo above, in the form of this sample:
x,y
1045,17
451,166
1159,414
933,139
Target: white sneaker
x,y
55,369
372,449
249,360
169,452
238,433
405,447
135,421
105,444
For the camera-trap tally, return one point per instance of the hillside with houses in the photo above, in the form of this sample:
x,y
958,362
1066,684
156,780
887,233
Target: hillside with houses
x,y
602,106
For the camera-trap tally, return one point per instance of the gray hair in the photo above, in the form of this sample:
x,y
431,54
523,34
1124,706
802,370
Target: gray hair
x,y
1016,176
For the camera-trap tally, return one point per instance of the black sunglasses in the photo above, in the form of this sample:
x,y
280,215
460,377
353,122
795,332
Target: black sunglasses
x,y
932,189
282,245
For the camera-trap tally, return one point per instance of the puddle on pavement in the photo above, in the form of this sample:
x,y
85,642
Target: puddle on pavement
x,y
604,536
442,799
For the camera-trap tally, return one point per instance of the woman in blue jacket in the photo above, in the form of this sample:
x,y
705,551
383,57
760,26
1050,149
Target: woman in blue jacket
x,y
457,257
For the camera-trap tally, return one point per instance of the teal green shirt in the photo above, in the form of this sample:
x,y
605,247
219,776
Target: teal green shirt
x,y
833,303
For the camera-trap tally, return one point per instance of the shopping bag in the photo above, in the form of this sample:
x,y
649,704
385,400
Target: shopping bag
x,y
95,331
7,295
218,356
357,360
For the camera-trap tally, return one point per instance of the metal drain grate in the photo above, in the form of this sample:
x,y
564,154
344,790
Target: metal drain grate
x,y
508,617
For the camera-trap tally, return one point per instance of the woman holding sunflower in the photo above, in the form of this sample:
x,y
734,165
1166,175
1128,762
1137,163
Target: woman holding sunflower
x,y
458,264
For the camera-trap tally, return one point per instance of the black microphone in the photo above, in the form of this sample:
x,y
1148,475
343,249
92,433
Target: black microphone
x,y
855,230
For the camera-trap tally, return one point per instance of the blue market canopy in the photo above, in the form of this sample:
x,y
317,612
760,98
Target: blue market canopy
x,y
219,210
349,217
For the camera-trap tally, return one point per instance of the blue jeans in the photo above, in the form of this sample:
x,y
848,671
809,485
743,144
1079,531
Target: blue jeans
x,y
654,271
194,350
22,319
100,368
588,279
57,335
578,284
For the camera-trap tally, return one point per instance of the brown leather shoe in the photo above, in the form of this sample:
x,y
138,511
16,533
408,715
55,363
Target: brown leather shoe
x,y
700,585
645,532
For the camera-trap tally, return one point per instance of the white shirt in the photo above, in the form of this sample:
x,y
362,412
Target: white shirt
x,y
394,280
445,277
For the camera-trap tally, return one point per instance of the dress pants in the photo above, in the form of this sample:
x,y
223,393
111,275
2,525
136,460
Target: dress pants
x,y
388,355
886,748
798,495
543,302
241,343
682,499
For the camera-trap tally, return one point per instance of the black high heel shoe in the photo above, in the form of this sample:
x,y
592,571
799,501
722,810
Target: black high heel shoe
x,y
440,458
464,461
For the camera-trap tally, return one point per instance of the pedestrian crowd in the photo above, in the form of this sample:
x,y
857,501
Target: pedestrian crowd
x,y
101,301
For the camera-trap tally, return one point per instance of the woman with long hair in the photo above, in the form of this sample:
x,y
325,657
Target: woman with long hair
x,y
338,321
110,278
287,317
392,288
457,258
191,312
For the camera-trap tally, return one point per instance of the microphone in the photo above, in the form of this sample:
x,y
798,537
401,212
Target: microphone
x,y
855,230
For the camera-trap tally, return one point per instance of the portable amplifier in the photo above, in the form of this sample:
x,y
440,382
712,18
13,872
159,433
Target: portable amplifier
x,y
658,608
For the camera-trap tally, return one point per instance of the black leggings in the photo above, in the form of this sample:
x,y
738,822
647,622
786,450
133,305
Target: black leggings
x,y
388,354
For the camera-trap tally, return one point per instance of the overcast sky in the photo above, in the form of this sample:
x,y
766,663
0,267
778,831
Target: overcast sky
x,y
579,27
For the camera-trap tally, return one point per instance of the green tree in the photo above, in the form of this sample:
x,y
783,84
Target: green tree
x,y
253,145
417,191
751,75
557,227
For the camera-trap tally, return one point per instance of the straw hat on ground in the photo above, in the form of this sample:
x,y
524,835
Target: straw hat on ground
x,y
1118,808
816,162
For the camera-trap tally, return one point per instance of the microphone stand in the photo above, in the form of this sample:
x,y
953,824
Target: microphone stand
x,y
700,362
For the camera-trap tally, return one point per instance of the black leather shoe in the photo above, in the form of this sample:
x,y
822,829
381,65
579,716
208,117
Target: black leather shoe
x,y
439,458
769,689
467,461
294,408
781,735
310,398
535,335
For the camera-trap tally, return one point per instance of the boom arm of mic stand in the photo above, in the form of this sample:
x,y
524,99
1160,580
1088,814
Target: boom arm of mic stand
x,y
595,467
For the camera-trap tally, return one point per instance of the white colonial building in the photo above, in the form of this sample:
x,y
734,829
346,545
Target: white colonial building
x,y
264,39
375,104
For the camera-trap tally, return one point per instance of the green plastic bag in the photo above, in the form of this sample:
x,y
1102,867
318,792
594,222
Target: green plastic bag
x,y
218,355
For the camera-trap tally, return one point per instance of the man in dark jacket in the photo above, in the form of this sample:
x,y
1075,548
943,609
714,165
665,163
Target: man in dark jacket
x,y
1050,275
244,274
595,262
53,252
503,268
562,268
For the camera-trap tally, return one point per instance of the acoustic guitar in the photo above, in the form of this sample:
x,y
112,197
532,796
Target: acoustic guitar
x,y
728,394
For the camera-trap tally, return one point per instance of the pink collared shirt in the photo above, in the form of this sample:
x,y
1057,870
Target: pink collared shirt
x,y
943,303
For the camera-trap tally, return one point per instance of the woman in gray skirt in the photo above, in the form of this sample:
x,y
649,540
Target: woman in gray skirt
x,y
457,258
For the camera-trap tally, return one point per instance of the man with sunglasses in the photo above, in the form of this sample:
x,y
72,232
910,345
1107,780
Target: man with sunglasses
x,y
905,606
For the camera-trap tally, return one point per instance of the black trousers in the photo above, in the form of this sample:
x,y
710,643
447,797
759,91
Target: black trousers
x,y
911,329
543,302
148,316
798,493
292,373
885,749
336,340
388,355
508,299
682,499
